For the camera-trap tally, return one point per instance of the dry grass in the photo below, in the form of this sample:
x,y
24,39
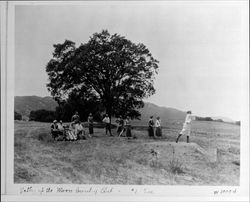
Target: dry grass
x,y
175,165
113,160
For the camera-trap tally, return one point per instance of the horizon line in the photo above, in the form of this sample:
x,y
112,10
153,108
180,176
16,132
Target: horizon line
x,y
218,116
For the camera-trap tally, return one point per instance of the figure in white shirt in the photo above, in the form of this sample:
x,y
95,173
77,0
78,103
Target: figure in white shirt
x,y
158,131
107,122
186,130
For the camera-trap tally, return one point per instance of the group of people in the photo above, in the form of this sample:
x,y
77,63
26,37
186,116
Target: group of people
x,y
186,129
76,131
156,125
57,129
72,132
123,125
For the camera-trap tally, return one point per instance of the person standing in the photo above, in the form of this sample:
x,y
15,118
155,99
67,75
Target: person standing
x,y
158,131
186,126
91,124
151,127
107,122
128,127
120,126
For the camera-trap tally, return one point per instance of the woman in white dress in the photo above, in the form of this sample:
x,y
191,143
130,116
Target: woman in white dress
x,y
186,130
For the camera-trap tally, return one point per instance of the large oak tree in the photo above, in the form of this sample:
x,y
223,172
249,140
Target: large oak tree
x,y
109,69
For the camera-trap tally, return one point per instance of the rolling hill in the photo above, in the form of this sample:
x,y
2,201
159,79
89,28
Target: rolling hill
x,y
225,119
167,114
25,104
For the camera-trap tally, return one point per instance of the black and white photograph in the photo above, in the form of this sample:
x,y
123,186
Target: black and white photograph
x,y
136,93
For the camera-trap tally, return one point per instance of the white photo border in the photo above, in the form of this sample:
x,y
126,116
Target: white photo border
x,y
12,192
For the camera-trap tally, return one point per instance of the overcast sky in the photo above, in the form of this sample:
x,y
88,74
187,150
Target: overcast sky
x,y
201,48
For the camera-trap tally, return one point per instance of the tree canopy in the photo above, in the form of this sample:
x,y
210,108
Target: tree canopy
x,y
78,102
109,70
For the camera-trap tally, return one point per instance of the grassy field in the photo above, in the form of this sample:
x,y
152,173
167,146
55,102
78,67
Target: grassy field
x,y
212,157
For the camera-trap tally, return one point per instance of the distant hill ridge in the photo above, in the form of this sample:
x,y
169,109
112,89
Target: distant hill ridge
x,y
167,114
25,104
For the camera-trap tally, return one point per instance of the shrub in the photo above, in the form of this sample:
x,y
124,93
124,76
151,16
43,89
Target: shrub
x,y
42,115
175,166
17,116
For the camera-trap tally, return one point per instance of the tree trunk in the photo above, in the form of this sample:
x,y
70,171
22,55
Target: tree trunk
x,y
109,110
108,105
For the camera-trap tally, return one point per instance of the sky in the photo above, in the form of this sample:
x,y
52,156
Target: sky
x,y
201,48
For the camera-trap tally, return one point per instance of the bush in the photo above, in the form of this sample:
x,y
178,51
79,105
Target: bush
x,y
17,116
66,110
175,166
204,118
42,115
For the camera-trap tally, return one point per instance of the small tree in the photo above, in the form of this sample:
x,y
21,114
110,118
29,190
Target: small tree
x,y
109,69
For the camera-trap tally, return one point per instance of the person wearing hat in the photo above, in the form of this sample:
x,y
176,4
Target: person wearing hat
x,y
107,122
91,124
54,129
186,126
151,127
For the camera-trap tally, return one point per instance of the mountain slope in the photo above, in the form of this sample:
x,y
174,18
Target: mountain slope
x,y
25,104
165,113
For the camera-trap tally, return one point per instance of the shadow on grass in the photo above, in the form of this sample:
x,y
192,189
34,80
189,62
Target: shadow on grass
x,y
45,137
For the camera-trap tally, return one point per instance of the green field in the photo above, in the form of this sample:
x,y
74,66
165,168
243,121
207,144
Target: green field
x,y
212,157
